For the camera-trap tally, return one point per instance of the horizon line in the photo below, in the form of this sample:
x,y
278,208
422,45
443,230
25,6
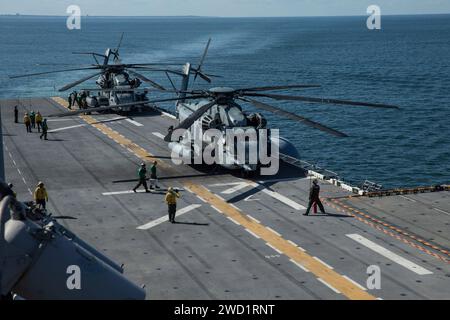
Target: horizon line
x,y
206,16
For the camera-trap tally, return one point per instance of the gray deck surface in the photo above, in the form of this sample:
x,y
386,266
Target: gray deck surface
x,y
206,255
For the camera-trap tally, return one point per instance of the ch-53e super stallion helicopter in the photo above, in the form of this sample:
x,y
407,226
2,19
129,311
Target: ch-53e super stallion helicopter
x,y
118,83
218,109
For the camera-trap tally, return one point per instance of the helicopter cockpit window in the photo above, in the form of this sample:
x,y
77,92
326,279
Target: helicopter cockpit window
x,y
236,117
121,80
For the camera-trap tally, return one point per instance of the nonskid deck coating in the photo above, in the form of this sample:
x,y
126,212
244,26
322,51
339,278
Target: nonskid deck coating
x,y
242,244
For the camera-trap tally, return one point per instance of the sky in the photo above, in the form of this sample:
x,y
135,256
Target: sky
x,y
223,8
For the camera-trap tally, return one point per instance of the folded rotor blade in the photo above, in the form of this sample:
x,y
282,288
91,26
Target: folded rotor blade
x,y
198,71
105,108
321,100
159,70
269,88
73,84
49,72
295,117
189,121
145,79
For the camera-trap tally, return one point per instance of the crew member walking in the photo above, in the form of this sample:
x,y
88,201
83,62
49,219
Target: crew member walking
x,y
153,176
44,130
16,115
41,196
39,121
75,99
314,197
27,121
171,200
142,174
69,99
33,119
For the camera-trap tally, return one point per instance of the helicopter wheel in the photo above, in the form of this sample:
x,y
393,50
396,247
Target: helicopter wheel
x,y
245,174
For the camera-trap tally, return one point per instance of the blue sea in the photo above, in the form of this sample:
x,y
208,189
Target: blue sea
x,y
406,63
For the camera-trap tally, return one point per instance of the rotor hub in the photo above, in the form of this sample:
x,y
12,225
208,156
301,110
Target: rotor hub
x,y
222,90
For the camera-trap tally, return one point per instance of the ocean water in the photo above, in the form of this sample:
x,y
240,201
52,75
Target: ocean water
x,y
407,63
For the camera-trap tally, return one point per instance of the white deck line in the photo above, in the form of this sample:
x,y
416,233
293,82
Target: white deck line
x,y
158,134
299,265
165,218
137,124
329,285
390,255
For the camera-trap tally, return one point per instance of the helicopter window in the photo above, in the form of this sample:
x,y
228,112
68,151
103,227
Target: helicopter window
x,y
235,116
121,79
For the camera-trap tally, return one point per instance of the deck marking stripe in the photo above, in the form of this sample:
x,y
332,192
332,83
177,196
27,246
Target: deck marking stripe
x,y
236,188
234,221
324,263
232,205
121,192
67,128
329,285
254,219
165,218
159,135
409,199
256,236
279,197
373,223
277,233
216,209
135,149
294,244
137,124
356,283
347,288
442,211
389,255
299,265
271,246
168,115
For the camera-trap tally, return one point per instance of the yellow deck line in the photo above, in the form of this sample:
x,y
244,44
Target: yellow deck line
x,y
320,270
126,143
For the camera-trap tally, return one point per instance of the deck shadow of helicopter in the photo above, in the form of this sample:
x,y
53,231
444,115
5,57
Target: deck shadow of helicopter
x,y
147,112
287,171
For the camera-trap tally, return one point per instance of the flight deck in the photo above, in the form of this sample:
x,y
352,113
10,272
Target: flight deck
x,y
235,238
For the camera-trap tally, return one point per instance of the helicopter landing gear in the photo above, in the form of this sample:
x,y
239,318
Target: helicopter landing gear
x,y
245,174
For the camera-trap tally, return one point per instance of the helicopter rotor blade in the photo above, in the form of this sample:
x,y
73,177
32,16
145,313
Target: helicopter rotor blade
x,y
158,70
189,121
120,42
294,116
91,53
171,82
205,52
270,88
145,79
120,90
322,100
49,72
203,76
198,71
73,84
105,108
